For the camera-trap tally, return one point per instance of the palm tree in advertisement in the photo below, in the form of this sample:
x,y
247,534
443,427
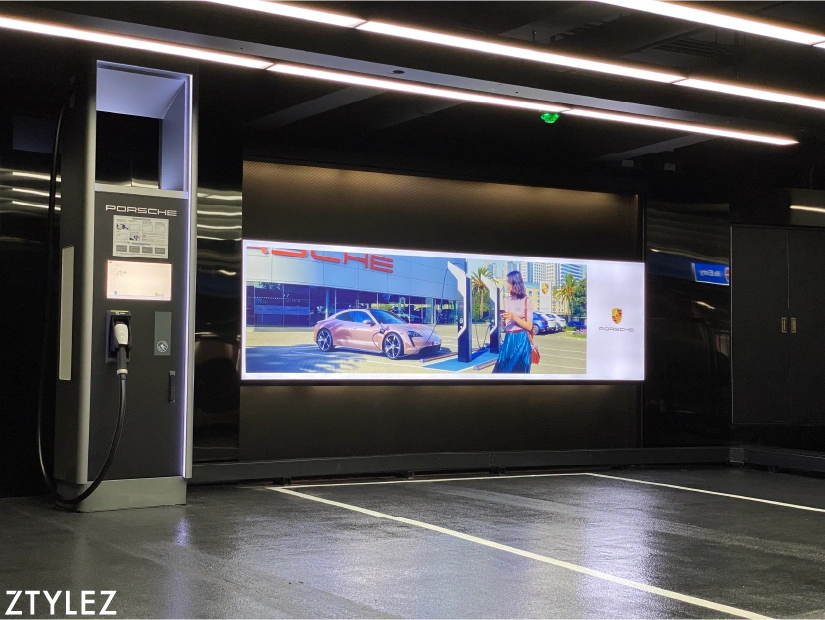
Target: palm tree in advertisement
x,y
566,292
478,287
579,305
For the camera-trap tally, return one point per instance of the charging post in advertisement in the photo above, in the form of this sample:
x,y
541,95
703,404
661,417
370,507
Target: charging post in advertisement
x,y
126,302
495,320
465,318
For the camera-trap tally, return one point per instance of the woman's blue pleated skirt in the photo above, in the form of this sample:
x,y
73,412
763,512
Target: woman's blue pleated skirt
x,y
514,355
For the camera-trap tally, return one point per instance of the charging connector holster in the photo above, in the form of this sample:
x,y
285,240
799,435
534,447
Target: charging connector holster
x,y
113,317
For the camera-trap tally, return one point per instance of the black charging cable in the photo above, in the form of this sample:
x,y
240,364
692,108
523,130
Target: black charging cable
x,y
44,363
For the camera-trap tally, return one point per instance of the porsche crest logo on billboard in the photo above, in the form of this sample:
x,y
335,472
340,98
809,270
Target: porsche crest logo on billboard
x,y
616,314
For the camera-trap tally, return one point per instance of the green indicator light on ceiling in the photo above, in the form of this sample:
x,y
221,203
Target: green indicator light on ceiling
x,y
549,117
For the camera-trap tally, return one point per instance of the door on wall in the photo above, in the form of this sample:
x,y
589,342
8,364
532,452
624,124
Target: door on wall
x,y
760,350
778,326
806,284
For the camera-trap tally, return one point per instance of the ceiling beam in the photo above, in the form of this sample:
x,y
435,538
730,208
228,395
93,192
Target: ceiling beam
x,y
300,111
395,115
666,146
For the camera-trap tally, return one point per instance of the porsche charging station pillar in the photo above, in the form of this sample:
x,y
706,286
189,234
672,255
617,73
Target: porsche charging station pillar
x,y
495,325
126,248
464,285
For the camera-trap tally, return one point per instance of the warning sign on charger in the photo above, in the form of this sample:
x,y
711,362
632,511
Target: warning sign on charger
x,y
143,237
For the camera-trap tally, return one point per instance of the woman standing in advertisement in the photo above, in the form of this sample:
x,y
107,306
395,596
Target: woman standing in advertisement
x,y
517,320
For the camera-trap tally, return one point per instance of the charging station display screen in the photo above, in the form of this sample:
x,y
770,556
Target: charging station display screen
x,y
321,312
139,281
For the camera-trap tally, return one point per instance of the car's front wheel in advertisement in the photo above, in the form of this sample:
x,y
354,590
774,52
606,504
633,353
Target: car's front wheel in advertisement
x,y
324,340
393,347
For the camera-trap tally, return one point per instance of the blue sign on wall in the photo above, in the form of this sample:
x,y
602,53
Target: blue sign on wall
x,y
711,273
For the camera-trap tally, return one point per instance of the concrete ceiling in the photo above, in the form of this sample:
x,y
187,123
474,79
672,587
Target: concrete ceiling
x,y
586,28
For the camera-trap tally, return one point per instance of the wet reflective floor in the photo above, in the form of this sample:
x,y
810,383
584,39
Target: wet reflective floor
x,y
560,546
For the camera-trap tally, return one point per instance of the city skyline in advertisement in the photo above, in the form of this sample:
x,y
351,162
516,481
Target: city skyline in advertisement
x,y
532,272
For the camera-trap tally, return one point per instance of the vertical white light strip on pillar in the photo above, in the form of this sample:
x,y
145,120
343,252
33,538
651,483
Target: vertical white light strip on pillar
x,y
191,248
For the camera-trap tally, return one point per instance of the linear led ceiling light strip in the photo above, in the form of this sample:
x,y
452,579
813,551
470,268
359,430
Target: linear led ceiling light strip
x,y
522,53
418,89
369,81
721,20
533,55
288,10
147,45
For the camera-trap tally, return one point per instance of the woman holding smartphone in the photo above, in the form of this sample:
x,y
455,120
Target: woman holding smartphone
x,y
517,321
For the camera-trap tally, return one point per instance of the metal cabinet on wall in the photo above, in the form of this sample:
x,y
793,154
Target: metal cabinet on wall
x,y
778,326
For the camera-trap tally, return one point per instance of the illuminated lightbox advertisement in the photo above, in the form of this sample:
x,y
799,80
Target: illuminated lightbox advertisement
x,y
139,281
321,312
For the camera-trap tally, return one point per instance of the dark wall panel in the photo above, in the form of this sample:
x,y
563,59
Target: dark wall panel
x,y
331,205
300,421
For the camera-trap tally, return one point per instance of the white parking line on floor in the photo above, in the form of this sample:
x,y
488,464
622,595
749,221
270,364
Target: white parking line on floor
x,y
355,484
692,600
674,486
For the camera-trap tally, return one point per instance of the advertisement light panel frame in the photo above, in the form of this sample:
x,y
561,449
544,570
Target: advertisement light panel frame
x,y
333,378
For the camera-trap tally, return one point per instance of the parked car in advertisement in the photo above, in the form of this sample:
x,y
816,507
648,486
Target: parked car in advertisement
x,y
559,320
373,330
553,325
540,324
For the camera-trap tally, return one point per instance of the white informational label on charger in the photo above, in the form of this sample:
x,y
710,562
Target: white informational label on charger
x,y
138,280
140,237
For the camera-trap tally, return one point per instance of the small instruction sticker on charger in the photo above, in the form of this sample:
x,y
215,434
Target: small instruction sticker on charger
x,y
145,237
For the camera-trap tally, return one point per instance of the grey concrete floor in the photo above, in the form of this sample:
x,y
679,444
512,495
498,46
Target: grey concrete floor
x,y
244,551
